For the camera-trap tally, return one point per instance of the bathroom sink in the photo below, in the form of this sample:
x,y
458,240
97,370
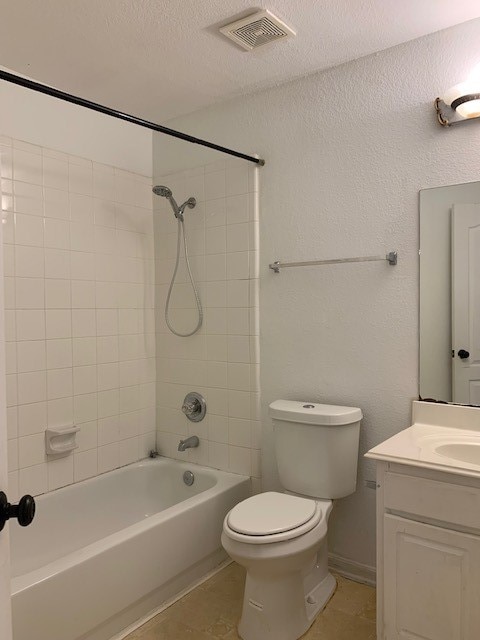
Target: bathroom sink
x,y
465,452
443,437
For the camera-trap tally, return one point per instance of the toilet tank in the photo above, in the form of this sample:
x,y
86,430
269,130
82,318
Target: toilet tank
x,y
316,447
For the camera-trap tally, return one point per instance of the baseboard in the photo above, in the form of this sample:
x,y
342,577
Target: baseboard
x,y
354,570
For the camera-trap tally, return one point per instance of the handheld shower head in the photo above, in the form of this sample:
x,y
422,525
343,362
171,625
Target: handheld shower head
x,y
160,190
165,192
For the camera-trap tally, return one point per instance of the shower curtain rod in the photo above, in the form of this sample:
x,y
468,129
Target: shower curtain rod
x,y
94,106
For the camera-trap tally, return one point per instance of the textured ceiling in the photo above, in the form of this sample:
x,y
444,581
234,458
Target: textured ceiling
x,y
162,58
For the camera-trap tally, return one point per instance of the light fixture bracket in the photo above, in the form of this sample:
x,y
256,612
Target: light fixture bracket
x,y
447,116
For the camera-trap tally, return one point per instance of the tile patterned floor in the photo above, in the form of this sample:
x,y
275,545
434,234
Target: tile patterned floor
x,y
211,612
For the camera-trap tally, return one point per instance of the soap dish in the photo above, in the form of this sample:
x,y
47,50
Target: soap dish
x,y
61,440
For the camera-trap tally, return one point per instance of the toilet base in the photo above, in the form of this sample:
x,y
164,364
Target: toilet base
x,y
282,609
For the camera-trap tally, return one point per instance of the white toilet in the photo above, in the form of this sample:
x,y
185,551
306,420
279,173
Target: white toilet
x,y
281,538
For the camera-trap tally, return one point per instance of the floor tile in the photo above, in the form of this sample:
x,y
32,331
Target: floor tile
x,y
212,610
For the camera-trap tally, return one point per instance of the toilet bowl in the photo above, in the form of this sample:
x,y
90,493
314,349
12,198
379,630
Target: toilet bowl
x,y
281,541
281,538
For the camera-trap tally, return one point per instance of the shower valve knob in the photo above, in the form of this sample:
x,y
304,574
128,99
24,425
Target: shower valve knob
x,y
24,511
190,407
194,406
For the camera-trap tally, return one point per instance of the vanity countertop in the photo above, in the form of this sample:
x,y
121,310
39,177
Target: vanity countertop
x,y
442,437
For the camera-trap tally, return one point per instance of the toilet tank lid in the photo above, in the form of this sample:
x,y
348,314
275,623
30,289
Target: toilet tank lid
x,y
314,413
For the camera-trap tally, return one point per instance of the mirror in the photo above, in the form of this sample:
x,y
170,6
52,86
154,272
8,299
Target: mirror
x,y
450,293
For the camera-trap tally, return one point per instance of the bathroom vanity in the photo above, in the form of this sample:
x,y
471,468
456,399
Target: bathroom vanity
x,y
428,526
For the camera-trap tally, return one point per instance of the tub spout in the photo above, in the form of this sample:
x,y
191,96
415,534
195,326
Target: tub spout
x,y
193,441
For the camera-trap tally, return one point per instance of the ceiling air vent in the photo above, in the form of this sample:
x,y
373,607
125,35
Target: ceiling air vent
x,y
256,30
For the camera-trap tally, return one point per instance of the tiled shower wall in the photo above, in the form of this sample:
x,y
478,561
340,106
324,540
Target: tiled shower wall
x,y
79,296
221,361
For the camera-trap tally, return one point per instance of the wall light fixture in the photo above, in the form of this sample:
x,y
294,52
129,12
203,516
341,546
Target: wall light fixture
x,y
459,104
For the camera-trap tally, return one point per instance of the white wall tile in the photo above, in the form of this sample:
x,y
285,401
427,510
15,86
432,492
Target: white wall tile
x,y
81,208
238,237
27,167
29,230
238,266
85,465
82,265
237,209
87,437
59,383
83,323
12,454
81,178
12,390
220,365
60,412
59,353
218,455
108,457
29,293
107,376
57,263
240,460
107,349
55,173
11,357
237,178
82,236
56,204
85,408
58,323
70,250
215,185
31,356
60,472
29,262
32,387
30,325
83,294
84,379
32,418
31,450
33,480
58,294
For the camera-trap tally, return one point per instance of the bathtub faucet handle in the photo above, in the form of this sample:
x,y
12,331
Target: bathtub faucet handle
x,y
190,407
194,406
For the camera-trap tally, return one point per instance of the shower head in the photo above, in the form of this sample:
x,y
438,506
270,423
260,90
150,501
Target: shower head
x,y
165,192
160,190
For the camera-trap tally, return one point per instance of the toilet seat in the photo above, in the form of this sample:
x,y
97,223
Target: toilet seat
x,y
273,517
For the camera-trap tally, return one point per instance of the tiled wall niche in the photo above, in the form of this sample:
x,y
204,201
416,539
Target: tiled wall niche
x,y
79,297
222,360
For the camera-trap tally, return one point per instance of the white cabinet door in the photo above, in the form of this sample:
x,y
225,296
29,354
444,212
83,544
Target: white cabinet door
x,y
432,579
466,303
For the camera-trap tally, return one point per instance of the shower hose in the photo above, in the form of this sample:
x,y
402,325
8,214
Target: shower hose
x,y
181,233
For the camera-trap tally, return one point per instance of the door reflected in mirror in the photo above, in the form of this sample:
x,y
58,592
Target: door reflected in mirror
x,y
450,293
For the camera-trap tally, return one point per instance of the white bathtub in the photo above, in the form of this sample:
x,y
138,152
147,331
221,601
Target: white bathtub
x,y
102,553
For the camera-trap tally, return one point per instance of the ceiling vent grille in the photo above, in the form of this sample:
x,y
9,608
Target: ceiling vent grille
x,y
257,30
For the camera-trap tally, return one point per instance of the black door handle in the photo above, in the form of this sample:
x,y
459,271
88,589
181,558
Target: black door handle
x,y
24,511
463,355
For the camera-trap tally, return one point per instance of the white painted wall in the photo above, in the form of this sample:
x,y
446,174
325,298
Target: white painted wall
x,y
49,122
347,151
